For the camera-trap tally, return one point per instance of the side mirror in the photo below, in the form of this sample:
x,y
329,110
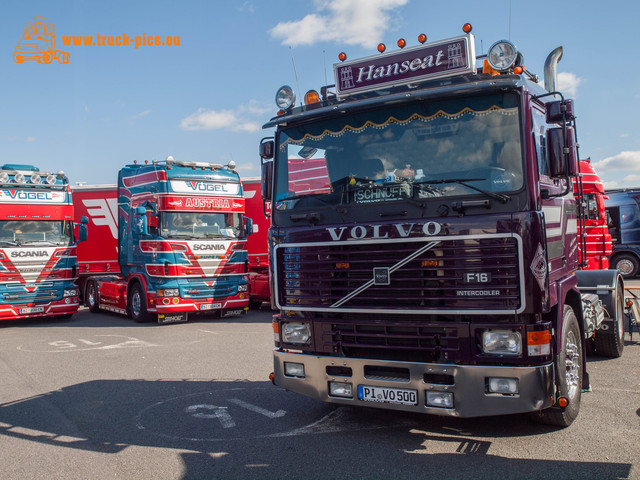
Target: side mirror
x,y
562,165
141,225
84,219
267,177
554,111
266,149
248,226
82,230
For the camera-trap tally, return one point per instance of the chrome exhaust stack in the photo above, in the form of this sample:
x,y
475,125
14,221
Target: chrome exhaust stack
x,y
551,70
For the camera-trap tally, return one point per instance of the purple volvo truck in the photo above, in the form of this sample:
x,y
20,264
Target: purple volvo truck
x,y
432,265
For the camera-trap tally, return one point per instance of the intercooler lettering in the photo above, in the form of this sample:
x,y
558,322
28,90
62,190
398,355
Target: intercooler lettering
x,y
478,293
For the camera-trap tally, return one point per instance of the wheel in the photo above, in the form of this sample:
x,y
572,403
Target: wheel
x,y
569,363
91,297
47,58
63,57
255,304
611,344
138,304
626,264
18,58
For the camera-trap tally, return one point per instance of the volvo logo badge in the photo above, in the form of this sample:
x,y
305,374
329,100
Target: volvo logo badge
x,y
381,276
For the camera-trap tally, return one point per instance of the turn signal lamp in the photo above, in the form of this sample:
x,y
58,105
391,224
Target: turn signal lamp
x,y
285,97
422,38
502,55
466,28
539,342
381,47
342,265
342,56
311,97
402,43
429,263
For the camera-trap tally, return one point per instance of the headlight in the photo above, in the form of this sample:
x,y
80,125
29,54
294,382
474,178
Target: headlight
x,y
169,292
298,333
285,98
502,55
243,288
70,292
502,342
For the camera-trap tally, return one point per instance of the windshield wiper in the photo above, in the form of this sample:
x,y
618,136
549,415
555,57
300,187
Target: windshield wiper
x,y
50,242
463,181
9,242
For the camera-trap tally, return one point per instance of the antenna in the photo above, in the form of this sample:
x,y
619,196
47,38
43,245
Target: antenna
x,y
324,56
295,73
509,20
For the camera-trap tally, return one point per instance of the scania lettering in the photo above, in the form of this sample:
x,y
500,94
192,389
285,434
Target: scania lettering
x,y
436,248
38,239
160,254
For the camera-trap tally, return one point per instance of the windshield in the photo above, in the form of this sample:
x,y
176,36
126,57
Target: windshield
x,y
200,225
21,232
456,147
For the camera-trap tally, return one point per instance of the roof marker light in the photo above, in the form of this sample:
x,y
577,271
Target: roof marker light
x,y
402,43
342,56
311,97
422,38
381,47
466,28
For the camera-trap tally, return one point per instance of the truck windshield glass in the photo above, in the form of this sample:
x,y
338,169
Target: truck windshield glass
x,y
395,153
200,225
36,231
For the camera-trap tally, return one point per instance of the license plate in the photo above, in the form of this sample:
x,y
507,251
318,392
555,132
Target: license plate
x,y
210,306
172,317
32,310
400,396
232,313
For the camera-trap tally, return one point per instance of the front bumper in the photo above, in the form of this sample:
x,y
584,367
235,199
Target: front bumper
x,y
65,306
468,385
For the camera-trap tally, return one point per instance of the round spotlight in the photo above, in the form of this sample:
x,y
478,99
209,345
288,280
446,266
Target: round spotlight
x,y
51,179
18,178
285,98
35,178
4,177
502,55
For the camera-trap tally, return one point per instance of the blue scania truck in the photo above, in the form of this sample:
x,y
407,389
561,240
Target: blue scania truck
x,y
433,265
181,242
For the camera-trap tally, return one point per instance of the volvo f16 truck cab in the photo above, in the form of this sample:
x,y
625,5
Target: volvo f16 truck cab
x,y
431,266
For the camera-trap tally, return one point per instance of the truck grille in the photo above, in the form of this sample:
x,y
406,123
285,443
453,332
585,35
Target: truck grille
x,y
396,340
464,274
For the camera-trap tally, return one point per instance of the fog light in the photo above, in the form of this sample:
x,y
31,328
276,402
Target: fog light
x,y
340,389
294,369
440,399
507,386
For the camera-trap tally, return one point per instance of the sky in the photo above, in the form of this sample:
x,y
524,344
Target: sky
x,y
207,98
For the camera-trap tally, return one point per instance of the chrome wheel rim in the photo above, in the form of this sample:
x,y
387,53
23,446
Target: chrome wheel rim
x,y
625,267
572,364
136,304
92,295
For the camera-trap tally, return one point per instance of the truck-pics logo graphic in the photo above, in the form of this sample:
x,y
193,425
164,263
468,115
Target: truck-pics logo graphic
x,y
39,43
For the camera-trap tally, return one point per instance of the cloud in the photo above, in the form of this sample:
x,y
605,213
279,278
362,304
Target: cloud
x,y
629,160
246,7
351,22
568,84
234,120
144,113
31,139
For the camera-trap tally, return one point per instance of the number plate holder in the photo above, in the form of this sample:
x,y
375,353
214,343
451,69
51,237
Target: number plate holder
x,y
398,396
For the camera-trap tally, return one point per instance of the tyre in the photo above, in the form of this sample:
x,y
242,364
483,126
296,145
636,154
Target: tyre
x,y
18,58
627,264
138,304
91,297
611,343
47,58
569,363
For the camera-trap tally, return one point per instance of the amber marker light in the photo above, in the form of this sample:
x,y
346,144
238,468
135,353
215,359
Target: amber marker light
x,y
422,38
517,70
342,56
381,47
342,265
466,28
402,43
311,97
429,263
563,402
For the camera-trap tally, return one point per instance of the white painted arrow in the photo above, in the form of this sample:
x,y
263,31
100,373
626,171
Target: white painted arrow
x,y
261,411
